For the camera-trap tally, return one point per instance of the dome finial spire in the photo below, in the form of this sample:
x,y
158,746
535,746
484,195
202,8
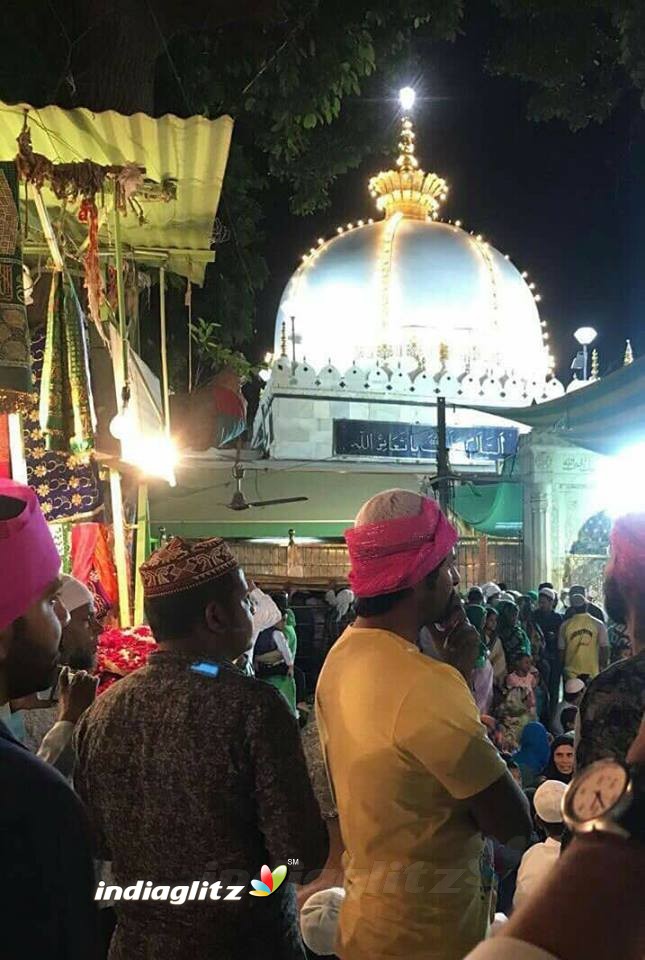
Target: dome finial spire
x,y
408,190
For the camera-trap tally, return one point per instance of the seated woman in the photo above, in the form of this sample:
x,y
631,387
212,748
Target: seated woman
x,y
562,759
533,755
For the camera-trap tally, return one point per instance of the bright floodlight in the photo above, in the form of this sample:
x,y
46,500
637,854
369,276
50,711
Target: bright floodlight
x,y
407,96
585,335
619,485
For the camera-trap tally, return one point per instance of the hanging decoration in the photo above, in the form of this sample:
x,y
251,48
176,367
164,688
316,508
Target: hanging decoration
x,y
93,564
67,485
67,415
92,280
15,364
85,181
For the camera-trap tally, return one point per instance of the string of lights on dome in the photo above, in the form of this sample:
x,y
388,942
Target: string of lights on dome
x,y
411,193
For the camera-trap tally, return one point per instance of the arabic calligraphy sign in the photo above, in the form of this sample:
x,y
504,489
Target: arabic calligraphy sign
x,y
413,441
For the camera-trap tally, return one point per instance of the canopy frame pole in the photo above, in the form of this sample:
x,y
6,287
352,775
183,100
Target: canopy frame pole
x,y
164,349
120,548
48,230
142,542
120,292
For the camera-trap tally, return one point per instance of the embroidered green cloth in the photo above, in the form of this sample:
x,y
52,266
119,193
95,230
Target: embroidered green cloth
x,y
66,408
15,363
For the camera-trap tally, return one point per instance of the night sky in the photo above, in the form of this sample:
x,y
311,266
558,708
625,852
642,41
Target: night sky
x,y
567,207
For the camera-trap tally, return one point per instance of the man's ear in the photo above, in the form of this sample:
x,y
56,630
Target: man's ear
x,y
213,616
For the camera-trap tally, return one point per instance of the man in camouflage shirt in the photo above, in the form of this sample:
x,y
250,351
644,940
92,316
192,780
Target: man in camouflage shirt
x,y
612,707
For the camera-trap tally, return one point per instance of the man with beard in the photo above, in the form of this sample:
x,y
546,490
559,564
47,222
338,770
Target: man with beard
x,y
612,707
46,880
192,771
416,780
52,715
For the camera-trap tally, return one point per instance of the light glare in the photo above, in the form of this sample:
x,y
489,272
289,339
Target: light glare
x,y
585,335
407,96
619,482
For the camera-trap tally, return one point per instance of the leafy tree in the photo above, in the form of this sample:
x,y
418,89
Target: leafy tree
x,y
580,56
289,72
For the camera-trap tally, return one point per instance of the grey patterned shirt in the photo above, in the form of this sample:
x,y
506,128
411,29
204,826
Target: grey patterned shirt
x,y
189,777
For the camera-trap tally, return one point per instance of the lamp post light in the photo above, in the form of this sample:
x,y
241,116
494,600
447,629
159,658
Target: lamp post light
x,y
585,336
407,96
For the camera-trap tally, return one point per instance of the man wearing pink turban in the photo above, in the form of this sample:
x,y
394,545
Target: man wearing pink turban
x,y
46,880
611,709
415,777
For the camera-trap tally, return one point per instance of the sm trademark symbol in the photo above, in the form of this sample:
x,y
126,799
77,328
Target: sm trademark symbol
x,y
293,863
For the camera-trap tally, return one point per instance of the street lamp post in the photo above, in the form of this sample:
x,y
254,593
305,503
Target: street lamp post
x,y
585,336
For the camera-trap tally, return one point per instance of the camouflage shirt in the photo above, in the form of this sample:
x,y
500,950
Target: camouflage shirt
x,y
611,711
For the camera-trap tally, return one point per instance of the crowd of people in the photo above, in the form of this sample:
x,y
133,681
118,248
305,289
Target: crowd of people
x,y
420,809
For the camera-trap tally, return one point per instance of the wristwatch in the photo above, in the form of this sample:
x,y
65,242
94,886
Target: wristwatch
x,y
607,797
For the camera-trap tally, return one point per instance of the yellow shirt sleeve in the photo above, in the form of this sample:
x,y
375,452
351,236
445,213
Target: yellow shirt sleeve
x,y
438,724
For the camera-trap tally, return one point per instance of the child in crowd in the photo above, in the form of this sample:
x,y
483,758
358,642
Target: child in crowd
x,y
542,858
526,677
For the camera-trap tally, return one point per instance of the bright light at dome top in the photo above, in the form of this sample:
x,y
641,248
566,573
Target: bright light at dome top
x,y
407,96
619,487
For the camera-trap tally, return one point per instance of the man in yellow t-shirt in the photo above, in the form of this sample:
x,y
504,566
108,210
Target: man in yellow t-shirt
x,y
583,641
416,780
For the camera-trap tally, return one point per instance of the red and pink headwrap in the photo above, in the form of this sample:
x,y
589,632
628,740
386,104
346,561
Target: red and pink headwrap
x,y
627,562
396,554
29,560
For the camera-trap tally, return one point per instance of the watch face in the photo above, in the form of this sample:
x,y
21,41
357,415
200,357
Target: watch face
x,y
598,790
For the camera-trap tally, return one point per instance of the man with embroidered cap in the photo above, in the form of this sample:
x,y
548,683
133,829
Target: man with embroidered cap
x,y
193,771
47,872
415,777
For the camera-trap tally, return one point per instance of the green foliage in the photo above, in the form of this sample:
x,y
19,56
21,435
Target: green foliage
x,y
212,355
293,89
580,56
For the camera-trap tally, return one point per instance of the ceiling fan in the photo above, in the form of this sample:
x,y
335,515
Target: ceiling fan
x,y
239,501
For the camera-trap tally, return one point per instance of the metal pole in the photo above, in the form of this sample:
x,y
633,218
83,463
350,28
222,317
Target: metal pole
x,y
443,466
142,537
164,349
120,289
120,548
584,360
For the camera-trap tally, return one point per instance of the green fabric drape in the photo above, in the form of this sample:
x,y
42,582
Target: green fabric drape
x,y
66,406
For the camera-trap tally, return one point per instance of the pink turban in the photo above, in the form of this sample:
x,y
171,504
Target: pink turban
x,y
395,554
627,561
29,559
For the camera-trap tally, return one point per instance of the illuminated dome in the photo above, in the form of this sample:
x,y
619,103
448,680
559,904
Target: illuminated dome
x,y
412,290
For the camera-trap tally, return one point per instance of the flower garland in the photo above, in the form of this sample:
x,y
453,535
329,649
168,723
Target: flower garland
x,y
121,651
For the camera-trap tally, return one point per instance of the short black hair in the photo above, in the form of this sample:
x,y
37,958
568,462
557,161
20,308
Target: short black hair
x,y
546,584
173,617
385,602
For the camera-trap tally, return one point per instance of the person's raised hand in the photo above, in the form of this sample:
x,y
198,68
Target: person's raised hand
x,y
76,692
